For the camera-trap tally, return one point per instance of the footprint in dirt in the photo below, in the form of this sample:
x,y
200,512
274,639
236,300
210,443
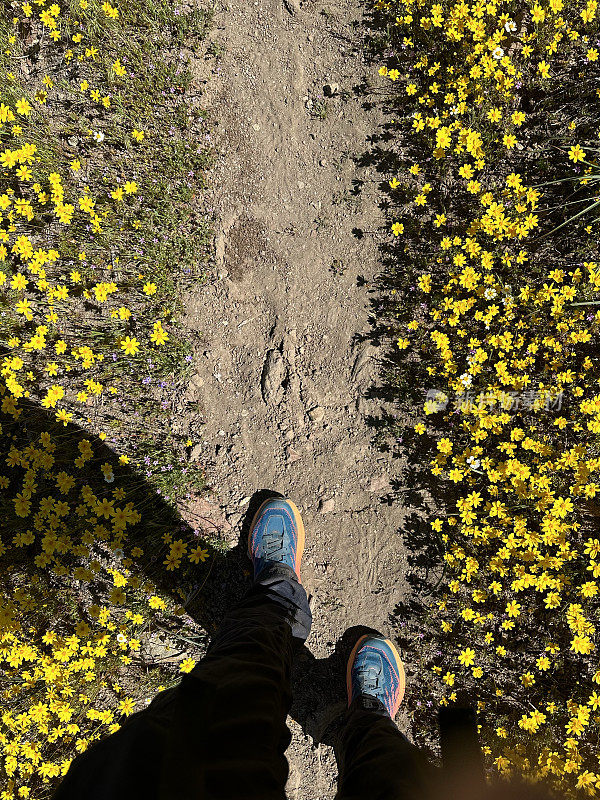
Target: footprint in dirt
x,y
274,378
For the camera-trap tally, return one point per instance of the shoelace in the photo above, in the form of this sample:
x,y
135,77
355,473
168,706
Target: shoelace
x,y
274,548
369,677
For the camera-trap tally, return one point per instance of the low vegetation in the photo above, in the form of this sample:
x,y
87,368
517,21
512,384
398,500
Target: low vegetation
x,y
492,279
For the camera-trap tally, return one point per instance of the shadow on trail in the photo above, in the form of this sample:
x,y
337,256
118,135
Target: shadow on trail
x,y
212,588
402,381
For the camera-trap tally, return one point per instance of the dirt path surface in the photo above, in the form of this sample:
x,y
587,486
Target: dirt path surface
x,y
284,370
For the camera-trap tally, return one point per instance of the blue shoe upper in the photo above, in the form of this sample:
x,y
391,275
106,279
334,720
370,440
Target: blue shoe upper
x,y
274,536
375,673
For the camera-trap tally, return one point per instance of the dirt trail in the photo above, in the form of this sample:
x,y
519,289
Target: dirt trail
x,y
282,378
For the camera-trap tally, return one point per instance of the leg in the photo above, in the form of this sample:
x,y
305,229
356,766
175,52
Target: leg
x,y
221,733
376,762
229,733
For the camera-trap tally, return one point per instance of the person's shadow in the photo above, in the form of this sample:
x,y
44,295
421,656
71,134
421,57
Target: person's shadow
x,y
212,587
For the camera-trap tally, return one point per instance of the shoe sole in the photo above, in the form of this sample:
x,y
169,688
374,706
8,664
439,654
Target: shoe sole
x,y
399,665
299,528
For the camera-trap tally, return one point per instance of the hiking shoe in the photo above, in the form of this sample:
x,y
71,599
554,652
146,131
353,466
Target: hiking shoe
x,y
375,669
276,534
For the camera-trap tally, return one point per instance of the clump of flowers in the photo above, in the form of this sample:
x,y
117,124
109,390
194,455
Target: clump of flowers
x,y
505,329
89,236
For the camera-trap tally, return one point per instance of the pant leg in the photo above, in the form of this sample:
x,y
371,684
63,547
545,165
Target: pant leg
x,y
229,732
375,760
221,733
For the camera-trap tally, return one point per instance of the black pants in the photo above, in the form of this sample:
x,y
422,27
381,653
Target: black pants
x,y
222,734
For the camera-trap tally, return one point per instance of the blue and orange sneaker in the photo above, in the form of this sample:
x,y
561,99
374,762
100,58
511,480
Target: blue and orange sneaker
x,y
375,670
276,534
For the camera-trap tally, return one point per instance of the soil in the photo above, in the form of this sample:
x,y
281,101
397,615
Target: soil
x,y
287,360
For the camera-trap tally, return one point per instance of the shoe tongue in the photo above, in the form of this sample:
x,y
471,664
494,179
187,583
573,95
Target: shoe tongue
x,y
370,702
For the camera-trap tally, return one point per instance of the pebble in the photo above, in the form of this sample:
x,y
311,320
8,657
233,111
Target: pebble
x,y
331,89
316,414
196,452
292,455
325,506
379,484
